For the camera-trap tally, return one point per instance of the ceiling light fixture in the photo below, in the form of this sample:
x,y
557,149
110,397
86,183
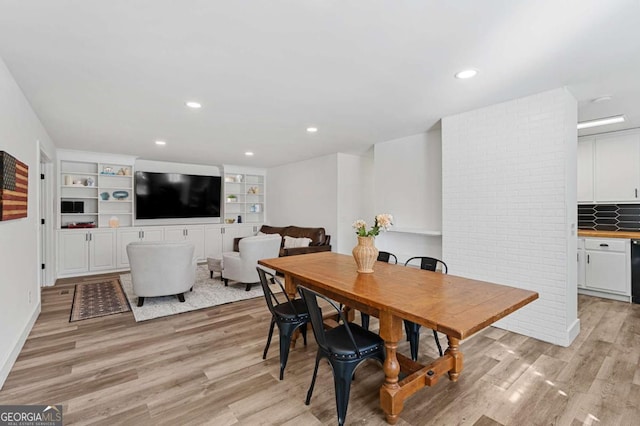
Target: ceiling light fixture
x,y
161,143
248,153
601,122
312,129
466,73
601,99
194,105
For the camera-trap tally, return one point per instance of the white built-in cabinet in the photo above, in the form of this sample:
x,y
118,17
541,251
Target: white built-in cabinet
x,y
604,267
85,251
82,251
585,170
193,233
582,263
609,168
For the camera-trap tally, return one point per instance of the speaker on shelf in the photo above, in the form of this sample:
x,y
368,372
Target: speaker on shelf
x,y
72,207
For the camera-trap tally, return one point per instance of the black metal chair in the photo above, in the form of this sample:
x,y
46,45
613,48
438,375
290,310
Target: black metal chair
x,y
345,347
383,256
287,314
412,329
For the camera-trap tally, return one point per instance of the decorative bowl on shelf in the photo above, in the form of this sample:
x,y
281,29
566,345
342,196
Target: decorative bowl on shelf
x,y
120,195
230,221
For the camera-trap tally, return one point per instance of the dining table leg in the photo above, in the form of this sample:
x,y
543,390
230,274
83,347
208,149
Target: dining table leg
x,y
458,358
391,400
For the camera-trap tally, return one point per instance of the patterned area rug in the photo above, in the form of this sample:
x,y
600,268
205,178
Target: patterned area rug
x,y
92,300
206,292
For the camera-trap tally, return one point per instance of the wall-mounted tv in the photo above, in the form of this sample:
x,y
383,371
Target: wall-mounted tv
x,y
175,195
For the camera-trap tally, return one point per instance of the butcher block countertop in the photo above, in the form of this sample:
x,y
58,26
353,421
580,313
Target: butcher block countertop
x,y
608,234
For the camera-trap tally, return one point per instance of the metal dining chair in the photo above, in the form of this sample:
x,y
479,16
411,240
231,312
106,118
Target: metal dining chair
x,y
383,256
287,314
345,347
412,329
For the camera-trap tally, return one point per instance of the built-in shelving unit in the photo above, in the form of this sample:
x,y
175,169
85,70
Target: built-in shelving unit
x,y
94,194
244,197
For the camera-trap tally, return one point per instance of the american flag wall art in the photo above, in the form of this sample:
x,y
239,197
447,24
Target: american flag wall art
x,y
14,185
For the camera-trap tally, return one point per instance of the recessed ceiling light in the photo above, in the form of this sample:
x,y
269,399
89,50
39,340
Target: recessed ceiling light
x,y
601,122
248,153
600,99
466,73
312,129
161,143
194,105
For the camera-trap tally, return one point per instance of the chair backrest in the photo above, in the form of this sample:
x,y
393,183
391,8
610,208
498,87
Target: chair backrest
x,y
429,263
157,265
385,256
260,247
269,295
310,298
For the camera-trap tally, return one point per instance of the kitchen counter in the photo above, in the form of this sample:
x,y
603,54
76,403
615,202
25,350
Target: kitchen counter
x,y
608,234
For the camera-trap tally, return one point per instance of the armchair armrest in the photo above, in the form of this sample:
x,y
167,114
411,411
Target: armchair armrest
x,y
305,250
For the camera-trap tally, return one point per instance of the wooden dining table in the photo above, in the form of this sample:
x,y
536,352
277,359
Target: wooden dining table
x,y
455,306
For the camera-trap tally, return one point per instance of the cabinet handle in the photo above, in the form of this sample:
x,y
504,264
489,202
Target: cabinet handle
x,y
636,192
86,236
604,245
587,258
142,232
90,237
578,257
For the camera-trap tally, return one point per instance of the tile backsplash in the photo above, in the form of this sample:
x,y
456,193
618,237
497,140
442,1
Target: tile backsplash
x,y
609,217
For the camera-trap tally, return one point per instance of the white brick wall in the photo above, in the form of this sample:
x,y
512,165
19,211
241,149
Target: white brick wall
x,y
509,205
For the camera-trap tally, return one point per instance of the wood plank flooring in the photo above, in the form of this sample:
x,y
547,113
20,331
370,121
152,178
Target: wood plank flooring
x,y
206,367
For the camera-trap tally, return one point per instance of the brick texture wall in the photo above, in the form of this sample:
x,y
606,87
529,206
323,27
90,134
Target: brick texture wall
x,y
509,205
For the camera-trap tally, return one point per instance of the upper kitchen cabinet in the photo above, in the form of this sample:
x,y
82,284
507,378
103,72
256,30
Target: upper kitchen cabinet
x,y
585,170
617,167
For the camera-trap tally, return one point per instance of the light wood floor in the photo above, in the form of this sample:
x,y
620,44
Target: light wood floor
x,y
206,367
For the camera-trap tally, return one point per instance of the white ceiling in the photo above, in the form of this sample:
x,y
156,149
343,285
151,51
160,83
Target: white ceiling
x,y
113,76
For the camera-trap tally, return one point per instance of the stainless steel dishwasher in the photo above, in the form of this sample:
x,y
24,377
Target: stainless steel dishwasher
x,y
635,271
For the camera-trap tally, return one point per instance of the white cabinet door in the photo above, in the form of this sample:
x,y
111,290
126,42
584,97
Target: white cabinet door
x,y
617,168
126,236
235,231
582,263
585,169
607,271
174,233
195,234
213,241
73,255
102,250
152,234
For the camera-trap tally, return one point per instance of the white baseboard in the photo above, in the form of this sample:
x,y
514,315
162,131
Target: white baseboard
x,y
8,365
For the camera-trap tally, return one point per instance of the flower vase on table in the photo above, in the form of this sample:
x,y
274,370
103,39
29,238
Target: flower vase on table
x,y
366,253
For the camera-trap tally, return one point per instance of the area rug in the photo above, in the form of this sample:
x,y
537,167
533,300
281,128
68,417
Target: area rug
x,y
206,292
98,299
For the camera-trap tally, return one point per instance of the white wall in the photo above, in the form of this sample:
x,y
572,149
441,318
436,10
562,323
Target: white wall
x,y
509,206
20,131
408,184
355,197
304,194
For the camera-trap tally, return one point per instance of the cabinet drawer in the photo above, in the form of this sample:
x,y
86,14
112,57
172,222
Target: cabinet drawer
x,y
617,244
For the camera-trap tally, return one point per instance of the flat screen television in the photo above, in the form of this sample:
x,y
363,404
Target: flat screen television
x,y
175,195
